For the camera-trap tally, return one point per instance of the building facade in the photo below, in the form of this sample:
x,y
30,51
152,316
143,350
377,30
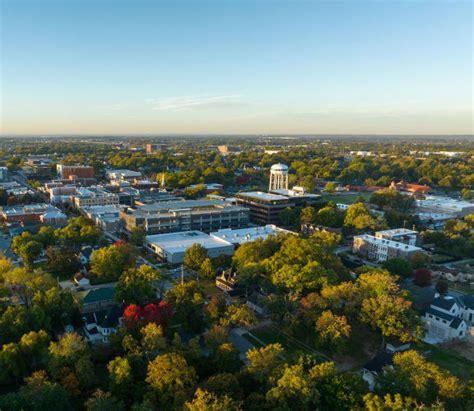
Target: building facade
x,y
173,216
380,249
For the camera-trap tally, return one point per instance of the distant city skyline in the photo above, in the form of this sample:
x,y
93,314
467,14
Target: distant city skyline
x,y
236,67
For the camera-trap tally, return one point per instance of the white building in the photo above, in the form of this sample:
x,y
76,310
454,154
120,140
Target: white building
x,y
447,318
380,249
172,246
122,174
445,205
402,235
107,217
245,235
94,196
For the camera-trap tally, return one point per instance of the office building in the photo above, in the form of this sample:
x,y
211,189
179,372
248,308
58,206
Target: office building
x,y
155,148
123,175
265,207
94,196
38,169
3,173
67,172
171,216
171,247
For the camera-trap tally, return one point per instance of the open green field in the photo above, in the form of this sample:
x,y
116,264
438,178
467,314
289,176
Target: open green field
x,y
345,198
450,360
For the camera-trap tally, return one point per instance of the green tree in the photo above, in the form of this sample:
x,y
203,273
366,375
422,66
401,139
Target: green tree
x,y
330,187
195,256
137,285
103,401
358,217
187,300
265,362
308,215
137,236
62,262
241,315
204,400
399,266
413,376
171,378
332,329
207,269
109,263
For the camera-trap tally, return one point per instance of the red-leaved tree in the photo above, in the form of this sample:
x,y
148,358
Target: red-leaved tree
x,y
160,313
422,277
133,316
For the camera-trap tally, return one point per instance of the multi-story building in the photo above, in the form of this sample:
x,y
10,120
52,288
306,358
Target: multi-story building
x,y
266,207
402,235
380,249
38,169
155,148
107,217
78,171
171,216
26,214
123,175
94,196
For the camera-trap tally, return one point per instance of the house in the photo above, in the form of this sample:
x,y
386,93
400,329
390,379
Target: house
x,y
256,302
96,299
376,366
99,325
444,319
85,255
228,283
80,280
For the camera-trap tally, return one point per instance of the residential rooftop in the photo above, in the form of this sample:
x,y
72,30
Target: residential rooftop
x,y
389,243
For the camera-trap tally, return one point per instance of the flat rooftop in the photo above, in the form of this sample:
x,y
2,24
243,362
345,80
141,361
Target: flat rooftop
x,y
389,243
181,241
163,207
439,202
244,235
397,231
260,195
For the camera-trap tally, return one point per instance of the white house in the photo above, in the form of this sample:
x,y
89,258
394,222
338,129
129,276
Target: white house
x,y
445,319
99,325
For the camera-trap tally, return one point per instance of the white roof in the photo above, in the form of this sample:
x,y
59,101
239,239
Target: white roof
x,y
181,241
279,167
263,196
245,235
444,203
389,243
397,232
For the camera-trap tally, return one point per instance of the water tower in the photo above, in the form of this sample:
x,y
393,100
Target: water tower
x,y
278,177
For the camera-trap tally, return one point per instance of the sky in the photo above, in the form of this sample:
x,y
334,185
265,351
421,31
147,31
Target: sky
x,y
236,67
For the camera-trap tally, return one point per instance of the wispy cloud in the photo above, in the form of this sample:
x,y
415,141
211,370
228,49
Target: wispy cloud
x,y
197,102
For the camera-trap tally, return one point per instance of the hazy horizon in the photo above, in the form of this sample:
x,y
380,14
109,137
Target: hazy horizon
x,y
236,68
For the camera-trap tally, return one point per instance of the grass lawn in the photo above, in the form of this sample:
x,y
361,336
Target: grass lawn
x,y
462,287
271,336
345,198
457,365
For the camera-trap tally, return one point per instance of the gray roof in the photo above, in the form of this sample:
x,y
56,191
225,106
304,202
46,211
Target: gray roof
x,y
456,323
444,303
440,314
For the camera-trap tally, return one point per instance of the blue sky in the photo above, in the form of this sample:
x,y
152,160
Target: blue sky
x,y
322,67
